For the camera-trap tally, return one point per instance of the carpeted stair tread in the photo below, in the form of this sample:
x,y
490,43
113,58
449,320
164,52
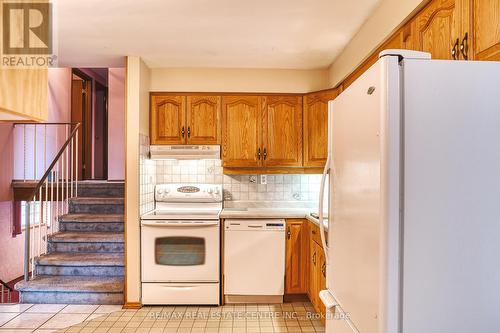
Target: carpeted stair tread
x,y
81,259
87,237
97,201
91,218
78,284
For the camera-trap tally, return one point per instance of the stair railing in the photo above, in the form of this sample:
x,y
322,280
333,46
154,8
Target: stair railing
x,y
50,197
5,289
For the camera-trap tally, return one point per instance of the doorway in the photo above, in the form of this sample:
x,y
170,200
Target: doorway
x,y
89,106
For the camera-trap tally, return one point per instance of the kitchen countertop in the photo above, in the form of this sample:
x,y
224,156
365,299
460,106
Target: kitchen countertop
x,y
268,212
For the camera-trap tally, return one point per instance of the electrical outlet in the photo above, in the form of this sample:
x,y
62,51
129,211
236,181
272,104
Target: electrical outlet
x,y
263,179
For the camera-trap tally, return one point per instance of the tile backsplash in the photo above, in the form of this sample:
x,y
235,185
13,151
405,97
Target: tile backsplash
x,y
147,173
278,188
239,187
296,188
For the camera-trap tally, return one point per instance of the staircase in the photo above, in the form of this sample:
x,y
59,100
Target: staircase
x,y
84,262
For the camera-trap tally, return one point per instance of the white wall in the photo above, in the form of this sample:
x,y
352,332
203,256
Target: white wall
x,y
136,121
386,19
237,80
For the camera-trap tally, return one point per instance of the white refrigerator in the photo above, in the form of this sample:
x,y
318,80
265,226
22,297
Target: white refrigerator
x,y
413,238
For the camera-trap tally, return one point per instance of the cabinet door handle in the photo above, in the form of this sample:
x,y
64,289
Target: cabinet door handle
x,y
464,46
265,153
258,153
323,269
454,50
288,233
189,131
182,131
314,258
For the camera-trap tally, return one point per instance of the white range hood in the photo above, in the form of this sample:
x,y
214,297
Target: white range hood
x,y
185,152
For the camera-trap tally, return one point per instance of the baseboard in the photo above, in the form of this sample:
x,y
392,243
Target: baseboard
x,y
296,298
132,305
239,299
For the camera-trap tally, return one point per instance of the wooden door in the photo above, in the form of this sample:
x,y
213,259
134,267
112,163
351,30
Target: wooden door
x,y
437,30
282,137
241,131
296,261
81,112
486,25
316,127
203,120
168,120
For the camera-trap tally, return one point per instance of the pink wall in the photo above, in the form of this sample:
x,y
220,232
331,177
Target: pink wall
x,y
11,249
59,111
116,124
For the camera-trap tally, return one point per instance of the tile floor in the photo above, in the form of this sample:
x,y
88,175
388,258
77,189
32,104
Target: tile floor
x,y
251,318
46,318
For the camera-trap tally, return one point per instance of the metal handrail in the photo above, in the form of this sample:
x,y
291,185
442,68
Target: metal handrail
x,y
51,166
38,189
6,285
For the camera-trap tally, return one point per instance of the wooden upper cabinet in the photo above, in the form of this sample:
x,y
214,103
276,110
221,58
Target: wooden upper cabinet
x,y
241,131
282,136
168,120
316,127
297,257
203,120
437,29
486,25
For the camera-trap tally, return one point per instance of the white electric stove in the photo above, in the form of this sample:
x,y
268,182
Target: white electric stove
x,y
180,245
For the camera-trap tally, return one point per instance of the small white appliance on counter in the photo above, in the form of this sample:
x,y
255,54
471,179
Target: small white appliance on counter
x,y
254,260
180,245
414,215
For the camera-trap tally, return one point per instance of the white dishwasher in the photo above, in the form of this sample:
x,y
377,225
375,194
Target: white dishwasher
x,y
254,260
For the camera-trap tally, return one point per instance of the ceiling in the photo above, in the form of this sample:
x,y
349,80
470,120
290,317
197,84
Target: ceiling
x,y
293,34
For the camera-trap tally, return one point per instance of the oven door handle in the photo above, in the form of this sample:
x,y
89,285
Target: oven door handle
x,y
177,224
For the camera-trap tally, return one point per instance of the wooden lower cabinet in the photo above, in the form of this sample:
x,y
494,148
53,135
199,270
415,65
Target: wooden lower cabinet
x,y
305,266
317,271
297,256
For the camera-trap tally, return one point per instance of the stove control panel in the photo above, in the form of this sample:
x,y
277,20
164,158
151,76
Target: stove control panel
x,y
188,193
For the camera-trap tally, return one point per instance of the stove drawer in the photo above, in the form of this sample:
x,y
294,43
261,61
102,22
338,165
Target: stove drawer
x,y
180,293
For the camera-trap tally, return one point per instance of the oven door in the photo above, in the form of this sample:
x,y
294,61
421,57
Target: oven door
x,y
180,251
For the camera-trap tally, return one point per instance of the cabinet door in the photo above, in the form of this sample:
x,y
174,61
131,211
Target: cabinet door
x,y
313,273
437,29
296,263
316,127
241,131
282,137
168,123
486,23
203,120
321,276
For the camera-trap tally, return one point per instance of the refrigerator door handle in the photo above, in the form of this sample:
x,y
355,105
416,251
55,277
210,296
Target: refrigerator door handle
x,y
326,170
328,299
